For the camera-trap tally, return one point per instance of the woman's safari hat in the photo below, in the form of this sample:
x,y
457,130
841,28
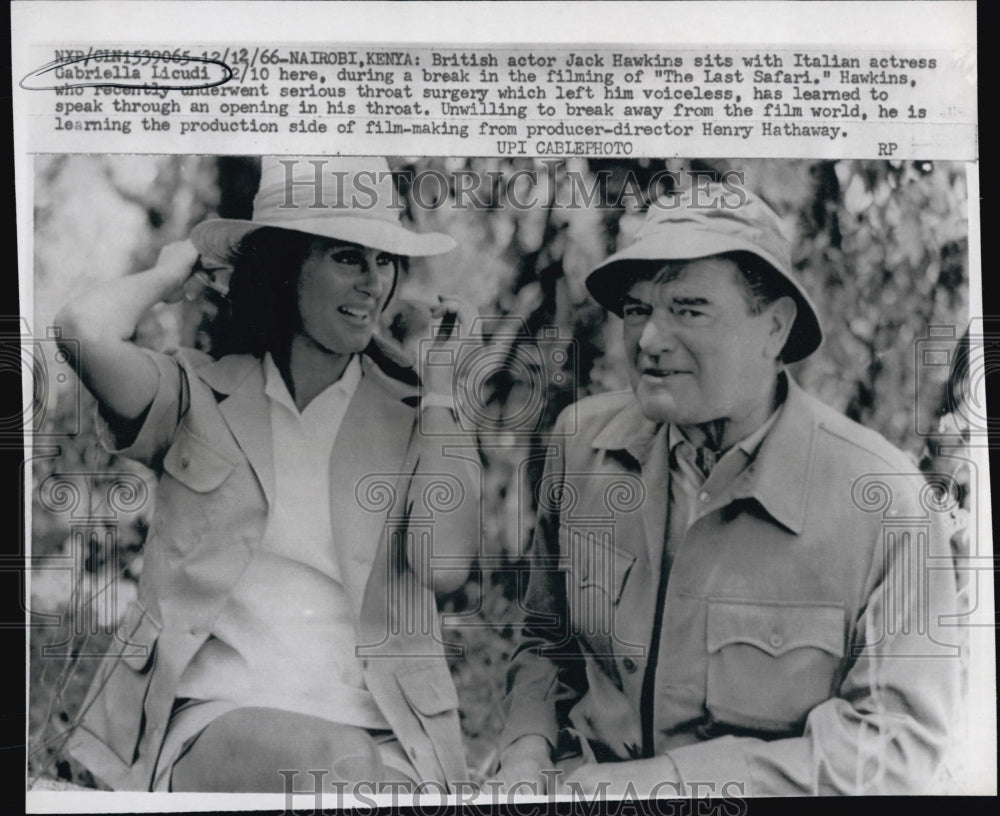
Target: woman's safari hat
x,y
346,198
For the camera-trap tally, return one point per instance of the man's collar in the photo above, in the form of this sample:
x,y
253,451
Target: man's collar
x,y
778,477
748,444
628,430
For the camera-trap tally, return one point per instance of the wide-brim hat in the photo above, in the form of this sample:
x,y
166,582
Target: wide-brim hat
x,y
346,198
705,222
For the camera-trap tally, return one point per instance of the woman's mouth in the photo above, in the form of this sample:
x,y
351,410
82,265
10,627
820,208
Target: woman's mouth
x,y
359,317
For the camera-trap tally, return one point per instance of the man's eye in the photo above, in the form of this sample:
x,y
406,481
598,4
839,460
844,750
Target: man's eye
x,y
636,311
686,311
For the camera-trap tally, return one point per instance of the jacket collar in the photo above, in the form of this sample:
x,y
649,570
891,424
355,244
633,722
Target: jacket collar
x,y
778,478
239,379
228,374
225,376
629,431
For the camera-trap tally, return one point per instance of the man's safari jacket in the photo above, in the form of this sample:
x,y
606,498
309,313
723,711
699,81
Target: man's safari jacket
x,y
802,648
207,435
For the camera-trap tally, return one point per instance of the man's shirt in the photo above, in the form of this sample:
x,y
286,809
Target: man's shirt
x,y
691,487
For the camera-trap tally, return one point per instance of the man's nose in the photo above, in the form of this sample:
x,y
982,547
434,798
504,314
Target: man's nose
x,y
657,336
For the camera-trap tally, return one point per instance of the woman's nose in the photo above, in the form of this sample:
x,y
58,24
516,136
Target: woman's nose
x,y
370,281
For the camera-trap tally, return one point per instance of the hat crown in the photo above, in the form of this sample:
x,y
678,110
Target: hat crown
x,y
721,210
306,187
703,221
343,198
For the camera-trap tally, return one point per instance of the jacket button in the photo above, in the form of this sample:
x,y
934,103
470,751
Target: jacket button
x,y
776,640
185,462
708,728
703,496
630,665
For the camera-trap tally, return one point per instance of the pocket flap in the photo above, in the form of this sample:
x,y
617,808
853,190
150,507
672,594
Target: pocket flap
x,y
136,637
597,561
429,689
776,628
195,463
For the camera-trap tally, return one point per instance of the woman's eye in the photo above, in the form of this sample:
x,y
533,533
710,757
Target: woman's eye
x,y
346,257
385,260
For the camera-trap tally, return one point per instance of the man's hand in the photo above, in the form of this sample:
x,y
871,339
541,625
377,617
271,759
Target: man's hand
x,y
642,778
522,764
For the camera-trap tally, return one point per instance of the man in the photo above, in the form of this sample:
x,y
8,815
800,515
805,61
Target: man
x,y
719,604
286,617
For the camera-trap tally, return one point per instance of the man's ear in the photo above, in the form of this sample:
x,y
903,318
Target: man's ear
x,y
782,314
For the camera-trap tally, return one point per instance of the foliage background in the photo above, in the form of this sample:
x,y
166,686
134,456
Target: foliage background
x,y
881,246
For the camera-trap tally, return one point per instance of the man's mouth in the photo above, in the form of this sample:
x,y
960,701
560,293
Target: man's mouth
x,y
662,373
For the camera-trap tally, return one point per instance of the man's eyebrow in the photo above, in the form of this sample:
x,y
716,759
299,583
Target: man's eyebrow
x,y
631,299
692,301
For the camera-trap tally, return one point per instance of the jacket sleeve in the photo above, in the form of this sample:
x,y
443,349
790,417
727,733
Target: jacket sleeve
x,y
444,497
886,729
147,440
547,674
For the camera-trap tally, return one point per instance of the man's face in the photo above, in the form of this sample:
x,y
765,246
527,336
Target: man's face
x,y
696,352
342,290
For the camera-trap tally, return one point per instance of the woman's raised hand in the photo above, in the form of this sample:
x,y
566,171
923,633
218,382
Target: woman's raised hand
x,y
174,266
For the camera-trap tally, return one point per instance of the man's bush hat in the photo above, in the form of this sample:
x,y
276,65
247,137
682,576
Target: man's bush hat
x,y
346,198
710,220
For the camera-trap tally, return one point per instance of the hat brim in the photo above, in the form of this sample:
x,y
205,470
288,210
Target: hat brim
x,y
219,239
609,281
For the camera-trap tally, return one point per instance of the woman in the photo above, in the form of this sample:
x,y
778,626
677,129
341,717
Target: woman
x,y
286,616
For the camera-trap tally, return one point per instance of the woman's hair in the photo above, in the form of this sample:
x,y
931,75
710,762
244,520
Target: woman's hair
x,y
263,308
262,313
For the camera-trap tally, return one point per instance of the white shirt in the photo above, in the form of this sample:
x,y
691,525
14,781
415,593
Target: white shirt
x,y
286,638
299,520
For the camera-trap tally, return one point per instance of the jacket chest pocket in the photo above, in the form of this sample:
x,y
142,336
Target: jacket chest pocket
x,y
598,572
770,664
195,494
195,463
125,684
